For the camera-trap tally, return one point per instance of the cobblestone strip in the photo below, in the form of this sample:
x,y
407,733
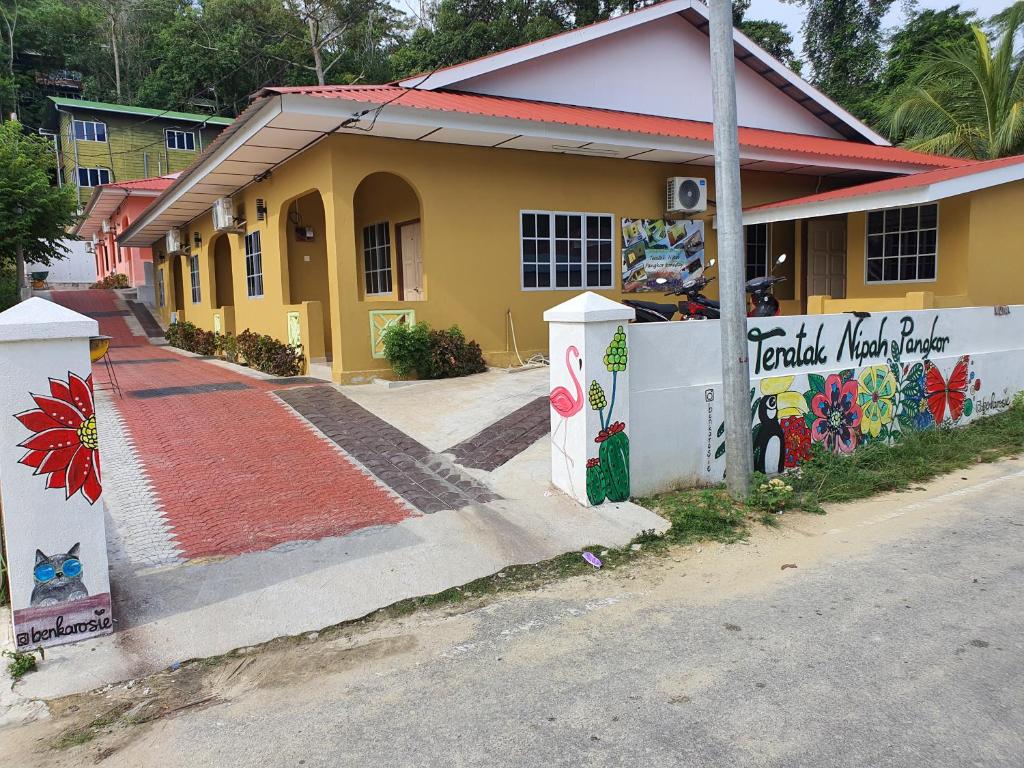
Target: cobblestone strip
x,y
492,446
427,481
141,532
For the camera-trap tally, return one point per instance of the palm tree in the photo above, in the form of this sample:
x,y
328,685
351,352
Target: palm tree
x,y
966,100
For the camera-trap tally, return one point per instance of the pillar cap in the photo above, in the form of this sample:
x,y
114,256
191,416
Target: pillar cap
x,y
589,307
38,318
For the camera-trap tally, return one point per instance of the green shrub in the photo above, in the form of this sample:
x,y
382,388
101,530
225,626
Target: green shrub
x,y
116,280
267,354
189,336
407,348
451,355
227,345
417,351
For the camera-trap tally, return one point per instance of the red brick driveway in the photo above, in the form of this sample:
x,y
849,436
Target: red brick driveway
x,y
234,470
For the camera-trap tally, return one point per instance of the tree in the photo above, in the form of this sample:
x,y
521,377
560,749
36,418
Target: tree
x,y
967,99
843,45
924,32
467,29
770,35
34,214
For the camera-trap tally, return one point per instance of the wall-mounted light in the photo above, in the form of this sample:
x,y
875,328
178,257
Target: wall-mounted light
x,y
197,239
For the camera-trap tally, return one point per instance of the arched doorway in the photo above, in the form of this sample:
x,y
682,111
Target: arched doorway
x,y
306,236
389,239
223,279
179,286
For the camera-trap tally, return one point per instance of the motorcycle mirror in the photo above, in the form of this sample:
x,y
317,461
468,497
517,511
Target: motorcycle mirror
x,y
711,263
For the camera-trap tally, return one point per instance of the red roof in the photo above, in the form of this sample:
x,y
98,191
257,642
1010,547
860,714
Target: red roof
x,y
591,117
154,183
913,181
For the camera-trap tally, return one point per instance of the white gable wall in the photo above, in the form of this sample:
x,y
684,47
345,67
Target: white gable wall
x,y
662,68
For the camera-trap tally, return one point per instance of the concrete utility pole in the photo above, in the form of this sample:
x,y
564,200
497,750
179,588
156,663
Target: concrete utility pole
x,y
739,451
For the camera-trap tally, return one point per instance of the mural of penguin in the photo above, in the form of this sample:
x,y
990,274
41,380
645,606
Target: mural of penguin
x,y
770,448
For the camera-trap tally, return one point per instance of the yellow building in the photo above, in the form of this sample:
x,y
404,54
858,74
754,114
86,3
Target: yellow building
x,y
485,193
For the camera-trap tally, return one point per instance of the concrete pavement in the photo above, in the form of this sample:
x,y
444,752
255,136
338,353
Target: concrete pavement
x,y
887,633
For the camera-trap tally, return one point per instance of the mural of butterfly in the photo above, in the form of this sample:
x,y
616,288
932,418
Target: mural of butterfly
x,y
952,392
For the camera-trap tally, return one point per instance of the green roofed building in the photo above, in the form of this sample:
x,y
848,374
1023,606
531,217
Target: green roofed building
x,y
100,143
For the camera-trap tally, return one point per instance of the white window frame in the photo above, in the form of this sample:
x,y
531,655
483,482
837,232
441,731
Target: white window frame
x,y
193,277
179,138
767,251
552,258
88,171
75,122
253,265
867,236
376,249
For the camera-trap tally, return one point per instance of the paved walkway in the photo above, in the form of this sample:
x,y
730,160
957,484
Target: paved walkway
x,y
232,469
262,525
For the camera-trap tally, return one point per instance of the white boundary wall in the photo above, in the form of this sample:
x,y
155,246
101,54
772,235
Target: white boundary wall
x,y
837,381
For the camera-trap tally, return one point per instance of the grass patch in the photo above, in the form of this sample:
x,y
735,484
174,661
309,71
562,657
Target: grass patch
x,y
74,737
918,457
20,664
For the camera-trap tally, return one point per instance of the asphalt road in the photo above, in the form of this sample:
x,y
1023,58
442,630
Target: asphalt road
x,y
898,640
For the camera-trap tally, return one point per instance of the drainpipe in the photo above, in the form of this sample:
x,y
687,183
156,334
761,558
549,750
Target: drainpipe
x,y
74,143
56,153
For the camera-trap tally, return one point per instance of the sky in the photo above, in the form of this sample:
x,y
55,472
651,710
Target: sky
x,y
792,15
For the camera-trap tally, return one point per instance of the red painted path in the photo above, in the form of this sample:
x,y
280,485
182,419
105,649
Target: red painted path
x,y
235,471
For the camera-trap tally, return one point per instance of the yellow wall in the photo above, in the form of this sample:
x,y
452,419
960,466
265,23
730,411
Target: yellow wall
x,y
995,273
979,260
468,200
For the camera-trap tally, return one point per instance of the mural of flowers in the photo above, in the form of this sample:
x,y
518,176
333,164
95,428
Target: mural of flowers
x,y
877,395
837,413
608,474
65,444
797,440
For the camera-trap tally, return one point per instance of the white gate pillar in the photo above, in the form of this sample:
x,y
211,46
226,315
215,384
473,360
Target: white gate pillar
x,y
50,487
588,343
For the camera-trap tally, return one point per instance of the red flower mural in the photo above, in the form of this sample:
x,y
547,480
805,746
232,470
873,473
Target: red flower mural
x,y
65,445
797,439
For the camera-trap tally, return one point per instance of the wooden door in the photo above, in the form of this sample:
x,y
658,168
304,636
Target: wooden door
x,y
826,257
412,262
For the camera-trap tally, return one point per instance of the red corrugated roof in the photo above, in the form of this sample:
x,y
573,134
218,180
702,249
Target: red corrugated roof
x,y
154,183
591,117
913,181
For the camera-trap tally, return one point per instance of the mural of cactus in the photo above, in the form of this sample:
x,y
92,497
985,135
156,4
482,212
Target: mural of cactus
x,y
614,460
608,475
596,491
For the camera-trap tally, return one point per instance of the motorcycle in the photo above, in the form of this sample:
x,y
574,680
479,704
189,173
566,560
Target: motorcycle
x,y
762,301
698,306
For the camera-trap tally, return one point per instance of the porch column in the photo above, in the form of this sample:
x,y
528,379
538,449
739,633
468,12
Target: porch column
x,y
50,486
589,341
339,221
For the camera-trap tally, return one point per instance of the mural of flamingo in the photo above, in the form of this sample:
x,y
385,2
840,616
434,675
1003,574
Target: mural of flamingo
x,y
564,402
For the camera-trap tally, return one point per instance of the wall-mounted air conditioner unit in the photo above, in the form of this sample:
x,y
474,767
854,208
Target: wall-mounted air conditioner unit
x,y
224,216
173,241
105,226
686,194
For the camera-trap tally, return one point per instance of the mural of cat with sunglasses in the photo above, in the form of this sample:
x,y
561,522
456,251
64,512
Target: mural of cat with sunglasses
x,y
58,578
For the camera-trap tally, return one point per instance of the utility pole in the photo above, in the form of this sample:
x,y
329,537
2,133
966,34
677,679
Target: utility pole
x,y
739,451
